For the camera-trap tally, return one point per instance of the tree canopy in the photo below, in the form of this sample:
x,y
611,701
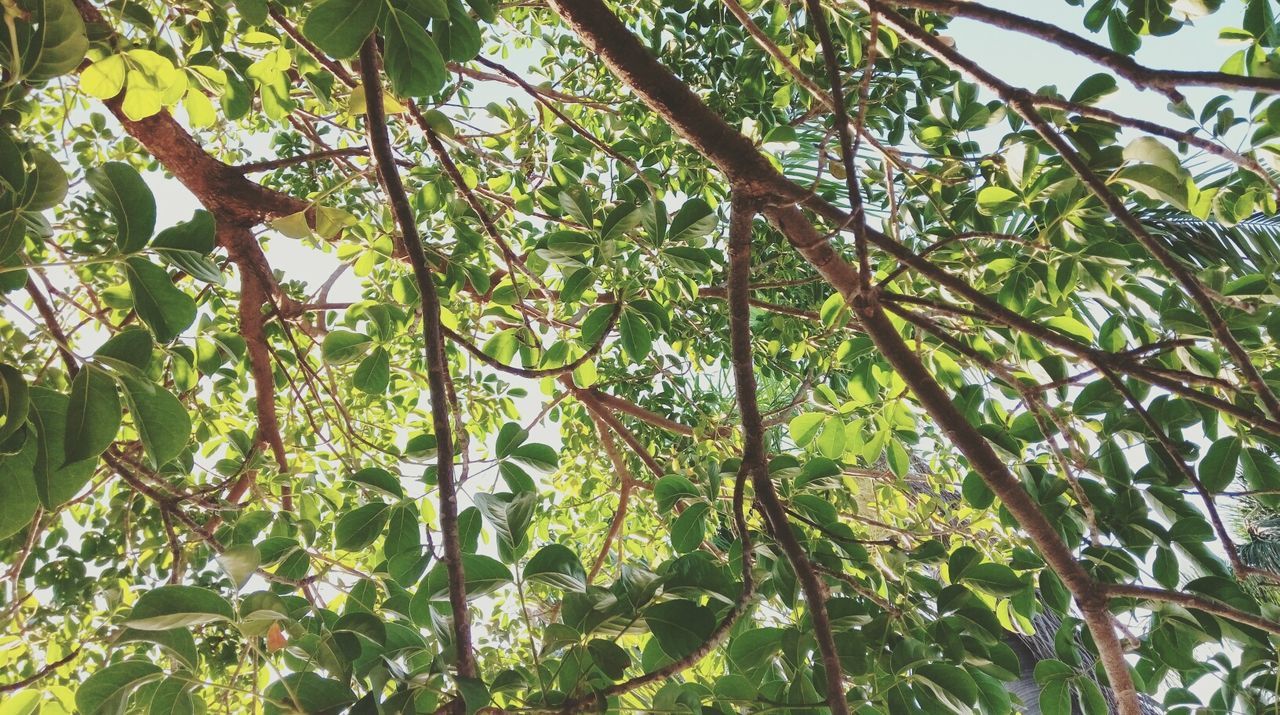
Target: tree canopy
x,y
706,356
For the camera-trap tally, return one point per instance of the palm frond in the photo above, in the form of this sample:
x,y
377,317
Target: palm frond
x,y
1250,246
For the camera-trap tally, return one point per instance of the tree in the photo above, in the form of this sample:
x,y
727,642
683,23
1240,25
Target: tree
x,y
700,355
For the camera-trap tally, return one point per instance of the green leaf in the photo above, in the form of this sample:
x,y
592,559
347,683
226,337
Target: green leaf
x,y
834,312
459,39
557,566
695,219
1218,468
12,164
485,10
995,579
1149,150
510,436
162,422
13,233
410,57
186,246
18,484
687,258
537,456
360,527
484,575
343,346
1154,182
171,697
620,221
47,182
510,516
948,680
93,414
1091,698
1123,40
254,12
569,244
1093,88
633,330
831,440
131,346
178,607
240,562
997,200
58,43
162,306
379,479
752,651
373,374
339,27
56,481
15,399
680,626
177,642
475,695
670,489
804,428
1055,698
105,691
105,78
121,189
310,693
609,657
1049,670
1261,474
689,529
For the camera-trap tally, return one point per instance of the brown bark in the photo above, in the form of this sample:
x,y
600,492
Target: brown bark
x,y
437,362
754,458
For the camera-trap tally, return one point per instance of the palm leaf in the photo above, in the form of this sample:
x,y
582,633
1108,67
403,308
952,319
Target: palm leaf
x,y
1250,246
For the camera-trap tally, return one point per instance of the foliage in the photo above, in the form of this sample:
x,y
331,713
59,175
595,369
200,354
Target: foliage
x,y
694,385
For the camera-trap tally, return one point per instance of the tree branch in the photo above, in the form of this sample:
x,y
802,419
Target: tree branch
x,y
1141,76
754,457
437,366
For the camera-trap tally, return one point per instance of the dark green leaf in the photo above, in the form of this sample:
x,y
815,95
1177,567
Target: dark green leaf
x,y
343,346
360,527
56,480
634,332
995,579
688,530
309,693
93,414
15,399
557,566
373,374
412,62
161,305
680,626
127,197
162,422
171,697
339,27
1218,468
105,691
178,606
186,246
